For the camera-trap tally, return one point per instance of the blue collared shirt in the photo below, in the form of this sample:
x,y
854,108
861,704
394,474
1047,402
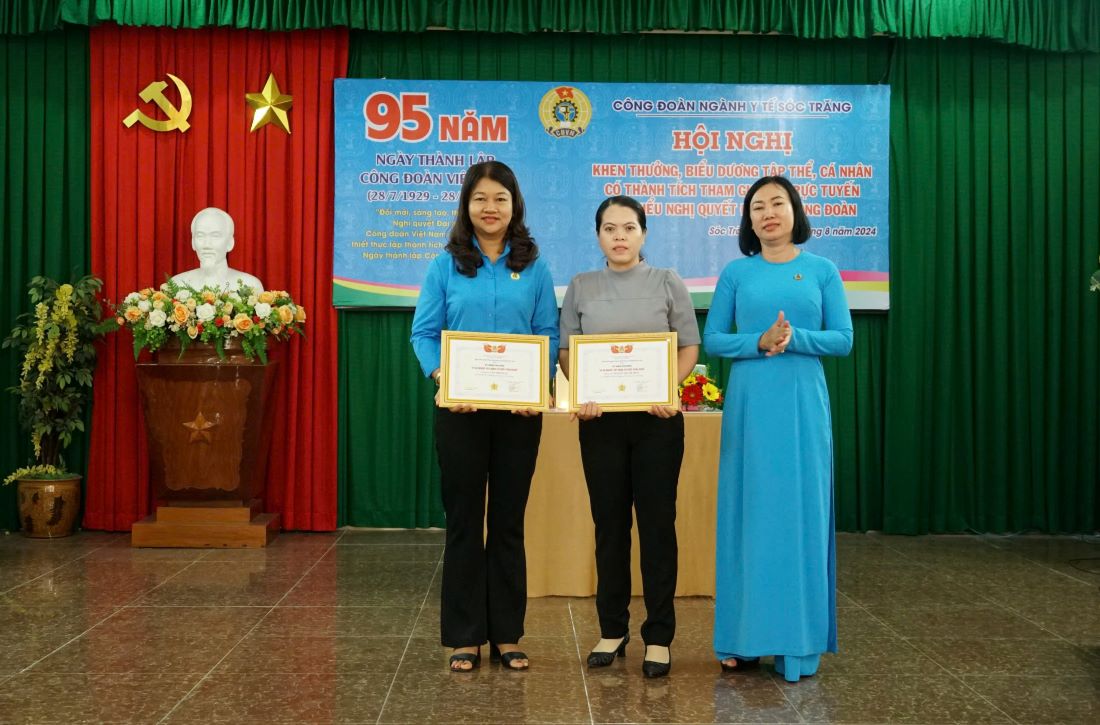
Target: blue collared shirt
x,y
496,299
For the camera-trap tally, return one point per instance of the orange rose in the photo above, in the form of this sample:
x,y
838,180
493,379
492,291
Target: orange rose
x,y
227,308
158,296
242,322
192,332
133,314
121,321
180,313
286,315
208,297
300,315
267,297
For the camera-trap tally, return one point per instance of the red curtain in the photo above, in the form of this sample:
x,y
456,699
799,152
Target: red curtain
x,y
145,188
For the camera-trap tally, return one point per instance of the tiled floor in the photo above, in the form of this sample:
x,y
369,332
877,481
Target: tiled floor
x,y
344,628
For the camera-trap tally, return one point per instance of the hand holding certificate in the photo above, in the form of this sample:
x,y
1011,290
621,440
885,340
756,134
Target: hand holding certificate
x,y
623,372
500,372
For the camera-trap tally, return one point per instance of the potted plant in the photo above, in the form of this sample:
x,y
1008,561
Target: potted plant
x,y
57,342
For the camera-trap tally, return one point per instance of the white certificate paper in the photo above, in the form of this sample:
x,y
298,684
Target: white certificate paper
x,y
623,372
486,370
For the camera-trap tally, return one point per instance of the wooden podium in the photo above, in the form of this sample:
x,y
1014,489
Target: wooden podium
x,y
208,438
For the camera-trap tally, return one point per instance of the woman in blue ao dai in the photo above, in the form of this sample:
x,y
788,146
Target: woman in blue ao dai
x,y
775,313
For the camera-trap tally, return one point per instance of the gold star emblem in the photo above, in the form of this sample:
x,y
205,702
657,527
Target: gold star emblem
x,y
270,105
200,428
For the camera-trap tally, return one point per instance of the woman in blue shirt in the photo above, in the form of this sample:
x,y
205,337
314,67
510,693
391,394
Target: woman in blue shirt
x,y
490,279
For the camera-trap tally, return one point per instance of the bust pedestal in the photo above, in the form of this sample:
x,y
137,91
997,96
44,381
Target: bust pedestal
x,y
208,437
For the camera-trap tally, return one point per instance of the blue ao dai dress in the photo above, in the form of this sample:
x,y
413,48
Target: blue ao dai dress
x,y
776,546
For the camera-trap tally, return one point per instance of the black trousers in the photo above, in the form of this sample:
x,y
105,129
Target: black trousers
x,y
484,576
633,460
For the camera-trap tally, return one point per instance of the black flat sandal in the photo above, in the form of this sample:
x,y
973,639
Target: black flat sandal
x,y
507,658
473,658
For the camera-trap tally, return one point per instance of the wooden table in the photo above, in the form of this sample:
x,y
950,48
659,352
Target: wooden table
x,y
560,537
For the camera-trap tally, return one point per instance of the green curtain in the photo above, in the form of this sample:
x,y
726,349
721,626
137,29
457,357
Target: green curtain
x,y
29,16
384,15
1065,25
387,472
993,351
383,396
43,201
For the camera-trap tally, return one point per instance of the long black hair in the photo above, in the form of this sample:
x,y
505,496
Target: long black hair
x,y
460,241
748,241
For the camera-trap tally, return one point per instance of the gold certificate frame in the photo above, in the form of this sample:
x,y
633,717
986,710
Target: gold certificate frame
x,y
494,371
625,372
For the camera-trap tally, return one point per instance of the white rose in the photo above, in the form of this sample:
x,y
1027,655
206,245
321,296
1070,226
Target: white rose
x,y
183,295
252,300
164,287
205,312
158,305
144,305
132,298
157,318
263,310
174,327
234,296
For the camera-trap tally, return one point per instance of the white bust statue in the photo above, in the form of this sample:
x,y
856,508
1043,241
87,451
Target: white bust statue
x,y
212,240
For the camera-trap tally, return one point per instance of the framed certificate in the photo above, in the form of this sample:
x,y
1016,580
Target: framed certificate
x,y
623,372
500,372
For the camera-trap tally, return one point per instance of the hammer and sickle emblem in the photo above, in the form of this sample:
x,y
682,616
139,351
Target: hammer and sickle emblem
x,y
177,117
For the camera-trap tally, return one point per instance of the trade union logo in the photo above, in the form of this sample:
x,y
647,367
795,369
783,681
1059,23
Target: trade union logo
x,y
565,112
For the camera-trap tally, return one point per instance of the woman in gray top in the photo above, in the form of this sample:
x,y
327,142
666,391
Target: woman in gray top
x,y
631,459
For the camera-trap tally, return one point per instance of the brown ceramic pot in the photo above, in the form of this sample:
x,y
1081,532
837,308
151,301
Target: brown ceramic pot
x,y
47,509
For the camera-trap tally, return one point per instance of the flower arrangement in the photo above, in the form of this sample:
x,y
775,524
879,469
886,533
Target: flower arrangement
x,y
57,340
698,391
209,315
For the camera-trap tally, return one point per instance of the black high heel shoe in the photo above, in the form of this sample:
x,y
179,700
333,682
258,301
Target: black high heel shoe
x,y
603,659
652,668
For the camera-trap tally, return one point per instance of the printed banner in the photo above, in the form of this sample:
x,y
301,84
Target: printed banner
x,y
687,152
